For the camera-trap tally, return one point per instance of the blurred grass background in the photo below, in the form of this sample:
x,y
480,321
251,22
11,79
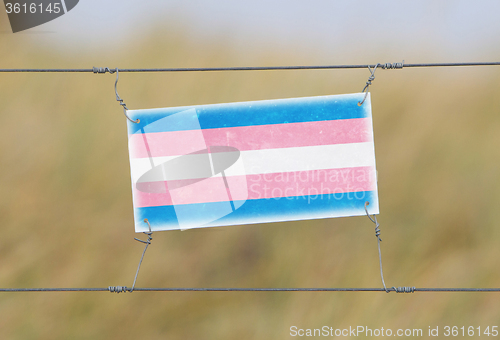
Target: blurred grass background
x,y
66,206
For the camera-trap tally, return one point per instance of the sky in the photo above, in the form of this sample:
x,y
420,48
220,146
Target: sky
x,y
339,31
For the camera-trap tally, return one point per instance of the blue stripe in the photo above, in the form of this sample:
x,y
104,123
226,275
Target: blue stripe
x,y
264,112
265,210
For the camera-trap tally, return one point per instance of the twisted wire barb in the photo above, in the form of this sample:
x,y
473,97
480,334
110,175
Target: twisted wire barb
x,y
246,68
404,289
389,66
119,289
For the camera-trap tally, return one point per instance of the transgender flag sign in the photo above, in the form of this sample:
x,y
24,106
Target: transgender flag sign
x,y
252,162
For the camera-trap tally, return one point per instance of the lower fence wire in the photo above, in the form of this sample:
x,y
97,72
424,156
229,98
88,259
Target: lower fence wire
x,y
119,289
124,289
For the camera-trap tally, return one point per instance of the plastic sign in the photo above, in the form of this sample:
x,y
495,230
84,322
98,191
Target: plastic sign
x,y
252,162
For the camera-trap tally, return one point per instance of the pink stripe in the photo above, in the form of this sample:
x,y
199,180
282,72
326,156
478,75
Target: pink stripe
x,y
286,184
142,145
256,137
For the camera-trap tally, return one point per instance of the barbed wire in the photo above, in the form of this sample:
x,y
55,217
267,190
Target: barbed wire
x,y
123,289
249,68
120,289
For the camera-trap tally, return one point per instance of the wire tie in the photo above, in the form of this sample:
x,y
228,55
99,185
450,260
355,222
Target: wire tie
x,y
148,242
102,70
404,289
368,83
123,289
386,66
389,66
121,100
377,235
118,289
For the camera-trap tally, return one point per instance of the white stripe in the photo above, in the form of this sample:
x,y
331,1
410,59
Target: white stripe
x,y
64,6
211,162
284,160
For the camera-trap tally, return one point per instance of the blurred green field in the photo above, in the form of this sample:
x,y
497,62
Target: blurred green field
x,y
66,206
